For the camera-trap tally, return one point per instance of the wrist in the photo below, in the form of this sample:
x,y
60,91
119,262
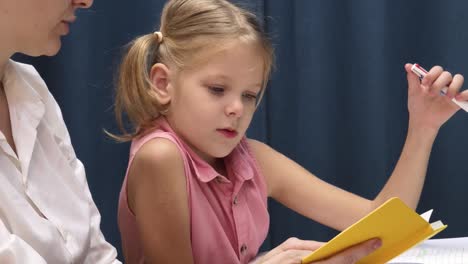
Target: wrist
x,y
418,127
422,133
259,258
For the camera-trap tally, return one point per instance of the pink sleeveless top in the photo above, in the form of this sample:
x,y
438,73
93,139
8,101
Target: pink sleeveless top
x,y
228,215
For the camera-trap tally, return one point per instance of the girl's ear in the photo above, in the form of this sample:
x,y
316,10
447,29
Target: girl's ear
x,y
160,80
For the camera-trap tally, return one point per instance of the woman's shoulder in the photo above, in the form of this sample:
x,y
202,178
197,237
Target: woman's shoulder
x,y
31,82
28,74
23,68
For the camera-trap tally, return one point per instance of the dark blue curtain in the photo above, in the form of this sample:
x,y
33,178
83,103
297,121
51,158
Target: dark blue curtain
x,y
336,102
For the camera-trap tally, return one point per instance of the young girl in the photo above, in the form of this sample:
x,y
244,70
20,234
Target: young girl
x,y
196,188
47,214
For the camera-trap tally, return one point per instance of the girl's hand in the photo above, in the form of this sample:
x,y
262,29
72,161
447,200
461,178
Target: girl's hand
x,y
290,251
427,108
293,250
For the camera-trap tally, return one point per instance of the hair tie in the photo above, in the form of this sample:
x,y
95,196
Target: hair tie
x,y
164,111
159,35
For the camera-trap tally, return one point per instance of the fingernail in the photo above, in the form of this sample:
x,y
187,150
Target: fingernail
x,y
377,244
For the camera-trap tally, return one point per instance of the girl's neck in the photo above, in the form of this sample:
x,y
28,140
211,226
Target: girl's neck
x,y
217,163
220,167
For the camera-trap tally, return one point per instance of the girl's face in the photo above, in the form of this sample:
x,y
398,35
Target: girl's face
x,y
34,27
212,104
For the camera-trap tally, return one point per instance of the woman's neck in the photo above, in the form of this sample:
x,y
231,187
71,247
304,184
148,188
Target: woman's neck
x,y
2,88
8,47
3,64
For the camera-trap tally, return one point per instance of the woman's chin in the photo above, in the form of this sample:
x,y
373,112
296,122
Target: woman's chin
x,y
51,49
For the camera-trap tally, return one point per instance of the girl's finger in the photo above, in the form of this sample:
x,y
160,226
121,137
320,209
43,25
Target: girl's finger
x,y
463,96
413,79
444,80
455,86
431,76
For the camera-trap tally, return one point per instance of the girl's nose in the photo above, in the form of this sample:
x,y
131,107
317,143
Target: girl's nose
x,y
235,108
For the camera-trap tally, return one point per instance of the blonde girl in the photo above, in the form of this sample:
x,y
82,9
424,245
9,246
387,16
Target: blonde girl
x,y
196,187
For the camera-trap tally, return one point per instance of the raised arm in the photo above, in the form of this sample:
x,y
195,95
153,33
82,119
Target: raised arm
x,y
300,190
428,111
157,195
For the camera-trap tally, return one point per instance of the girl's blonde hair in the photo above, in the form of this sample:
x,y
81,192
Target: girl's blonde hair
x,y
189,28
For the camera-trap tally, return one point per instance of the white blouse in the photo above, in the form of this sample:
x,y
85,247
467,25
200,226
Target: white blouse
x,y
47,214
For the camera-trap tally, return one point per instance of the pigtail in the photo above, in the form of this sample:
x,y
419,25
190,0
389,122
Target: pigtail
x,y
134,96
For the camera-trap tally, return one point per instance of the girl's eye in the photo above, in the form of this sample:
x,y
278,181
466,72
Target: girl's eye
x,y
250,96
216,90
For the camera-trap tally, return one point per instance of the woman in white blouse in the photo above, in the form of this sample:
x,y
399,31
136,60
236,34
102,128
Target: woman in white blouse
x,y
47,214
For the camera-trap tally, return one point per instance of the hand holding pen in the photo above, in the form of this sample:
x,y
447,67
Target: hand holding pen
x,y
430,95
421,73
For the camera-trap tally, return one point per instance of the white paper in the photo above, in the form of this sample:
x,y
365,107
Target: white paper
x,y
436,251
427,215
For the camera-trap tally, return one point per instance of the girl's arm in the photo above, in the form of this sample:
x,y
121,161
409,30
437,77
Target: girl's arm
x,y
303,192
157,195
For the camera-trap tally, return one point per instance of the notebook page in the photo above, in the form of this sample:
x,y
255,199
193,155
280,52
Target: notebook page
x,y
437,251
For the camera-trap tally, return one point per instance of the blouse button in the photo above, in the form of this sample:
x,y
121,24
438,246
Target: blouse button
x,y
243,249
235,200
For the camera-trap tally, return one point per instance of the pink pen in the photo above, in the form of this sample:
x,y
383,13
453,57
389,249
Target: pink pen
x,y
421,72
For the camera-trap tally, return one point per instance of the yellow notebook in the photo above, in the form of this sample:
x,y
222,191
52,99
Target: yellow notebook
x,y
397,225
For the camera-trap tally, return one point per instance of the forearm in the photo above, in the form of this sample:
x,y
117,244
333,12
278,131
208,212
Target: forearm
x,y
408,177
